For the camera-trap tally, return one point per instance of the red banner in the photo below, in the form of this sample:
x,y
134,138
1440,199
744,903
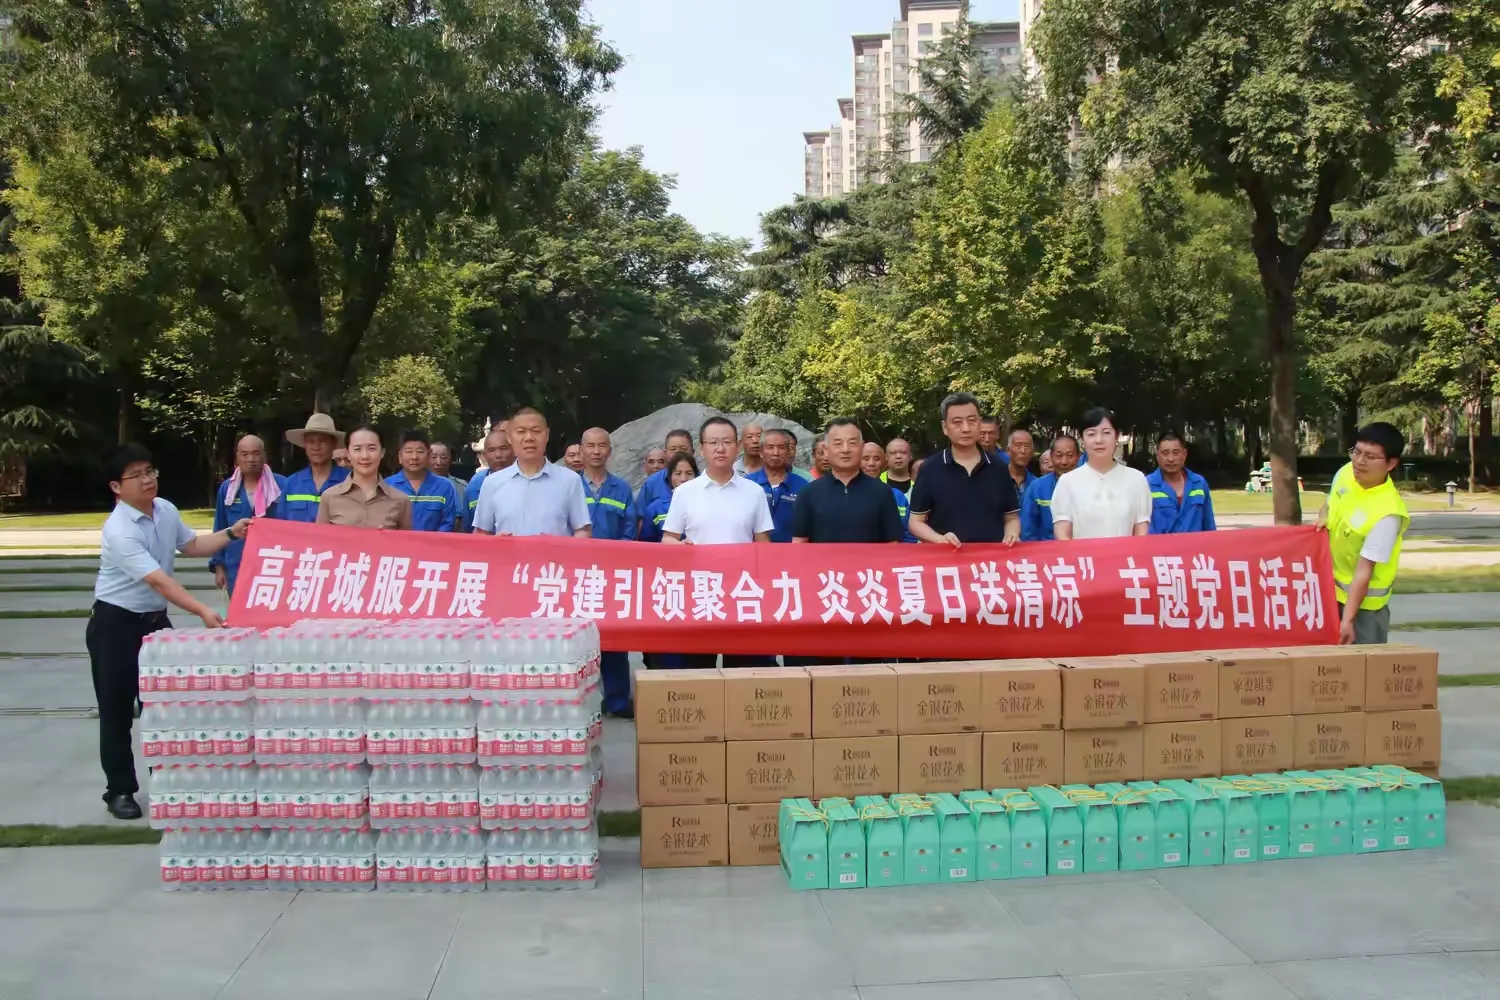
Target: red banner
x,y
1218,590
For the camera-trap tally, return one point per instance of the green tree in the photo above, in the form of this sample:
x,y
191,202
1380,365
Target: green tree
x,y
412,391
341,133
1287,103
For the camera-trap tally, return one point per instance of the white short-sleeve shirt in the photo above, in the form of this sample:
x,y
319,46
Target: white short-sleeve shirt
x,y
706,513
1102,505
134,545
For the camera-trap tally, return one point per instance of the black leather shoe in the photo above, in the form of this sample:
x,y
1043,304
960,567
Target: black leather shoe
x,y
628,712
123,807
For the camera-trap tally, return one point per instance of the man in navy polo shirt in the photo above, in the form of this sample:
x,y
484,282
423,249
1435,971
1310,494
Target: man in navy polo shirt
x,y
434,503
1180,500
963,493
776,477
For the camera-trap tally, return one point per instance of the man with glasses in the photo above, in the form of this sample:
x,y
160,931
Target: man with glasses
x,y
1366,519
137,548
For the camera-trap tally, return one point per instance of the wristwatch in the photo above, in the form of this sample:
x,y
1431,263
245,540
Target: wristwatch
x,y
229,531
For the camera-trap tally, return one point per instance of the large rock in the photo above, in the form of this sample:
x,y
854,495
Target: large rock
x,y
633,440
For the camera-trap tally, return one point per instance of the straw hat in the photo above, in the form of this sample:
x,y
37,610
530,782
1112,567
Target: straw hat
x,y
318,423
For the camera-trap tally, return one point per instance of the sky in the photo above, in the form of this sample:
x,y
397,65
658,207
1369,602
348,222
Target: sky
x,y
719,92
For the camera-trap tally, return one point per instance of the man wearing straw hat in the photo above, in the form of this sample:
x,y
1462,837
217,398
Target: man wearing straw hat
x,y
304,488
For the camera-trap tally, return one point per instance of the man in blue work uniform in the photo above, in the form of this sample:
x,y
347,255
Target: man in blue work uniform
x,y
1036,505
656,486
251,491
434,504
613,515
776,477
1019,450
1180,501
497,455
304,488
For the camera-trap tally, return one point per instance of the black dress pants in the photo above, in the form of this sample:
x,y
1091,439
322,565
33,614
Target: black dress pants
x,y
114,643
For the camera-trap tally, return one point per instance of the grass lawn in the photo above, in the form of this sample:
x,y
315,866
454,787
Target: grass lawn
x,y
199,518
1460,580
1240,502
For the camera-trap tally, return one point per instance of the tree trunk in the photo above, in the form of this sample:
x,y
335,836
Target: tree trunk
x,y
1287,501
126,416
1484,447
1473,447
1349,421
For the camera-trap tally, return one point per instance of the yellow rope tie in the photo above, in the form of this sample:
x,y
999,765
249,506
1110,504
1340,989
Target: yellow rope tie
x,y
872,811
798,814
1006,804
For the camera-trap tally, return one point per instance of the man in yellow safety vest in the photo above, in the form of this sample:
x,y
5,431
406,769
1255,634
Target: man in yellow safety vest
x,y
1366,519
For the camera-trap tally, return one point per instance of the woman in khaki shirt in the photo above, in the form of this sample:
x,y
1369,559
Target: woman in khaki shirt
x,y
365,500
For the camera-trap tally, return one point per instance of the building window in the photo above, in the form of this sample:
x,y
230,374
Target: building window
x,y
924,30
925,47
947,27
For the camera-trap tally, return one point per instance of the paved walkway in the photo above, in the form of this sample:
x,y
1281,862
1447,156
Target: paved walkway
x,y
86,922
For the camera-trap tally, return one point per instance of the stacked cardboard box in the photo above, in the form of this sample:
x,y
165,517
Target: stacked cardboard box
x,y
719,750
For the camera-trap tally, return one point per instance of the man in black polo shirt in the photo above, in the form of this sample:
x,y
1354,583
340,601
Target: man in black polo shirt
x,y
963,494
846,505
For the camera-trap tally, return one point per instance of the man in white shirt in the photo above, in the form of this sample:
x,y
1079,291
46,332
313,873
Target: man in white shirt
x,y
719,507
1101,499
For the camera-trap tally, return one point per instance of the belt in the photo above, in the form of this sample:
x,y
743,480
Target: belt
x,y
104,607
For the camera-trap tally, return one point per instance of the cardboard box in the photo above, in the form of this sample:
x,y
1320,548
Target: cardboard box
x,y
753,838
1327,679
679,774
1335,740
1180,687
1399,678
768,770
942,762
1258,745
1020,760
1412,739
1021,696
1253,683
684,836
1094,756
1102,692
865,765
767,703
939,698
1182,750
853,701
679,706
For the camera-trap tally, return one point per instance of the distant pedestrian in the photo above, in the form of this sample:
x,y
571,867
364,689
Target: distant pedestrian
x,y
963,493
137,551
872,459
497,455
440,461
750,444
718,507
680,468
780,483
1101,498
319,438
533,496
1036,504
1180,498
252,490
1366,519
365,500
434,503
898,473
1020,449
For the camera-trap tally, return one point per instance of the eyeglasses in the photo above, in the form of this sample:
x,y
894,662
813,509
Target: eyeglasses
x,y
146,473
1364,454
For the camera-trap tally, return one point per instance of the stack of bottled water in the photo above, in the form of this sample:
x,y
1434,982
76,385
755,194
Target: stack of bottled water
x,y
355,763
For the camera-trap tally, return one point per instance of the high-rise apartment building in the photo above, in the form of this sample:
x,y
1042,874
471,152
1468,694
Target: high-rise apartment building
x,y
886,70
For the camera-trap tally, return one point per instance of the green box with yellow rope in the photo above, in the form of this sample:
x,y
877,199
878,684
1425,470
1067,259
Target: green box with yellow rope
x,y
1101,828
1205,822
991,821
1064,830
885,841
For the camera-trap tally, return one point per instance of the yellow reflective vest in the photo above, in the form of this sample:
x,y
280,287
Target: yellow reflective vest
x,y
1352,512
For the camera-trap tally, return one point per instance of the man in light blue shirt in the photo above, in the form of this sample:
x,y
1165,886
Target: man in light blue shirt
x,y
534,496
137,550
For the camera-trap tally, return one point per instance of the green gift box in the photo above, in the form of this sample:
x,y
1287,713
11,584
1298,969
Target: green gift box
x,y
1335,820
991,834
846,844
1367,808
1431,805
1137,827
1170,812
956,845
1272,812
1205,822
1241,821
1028,833
1064,830
922,839
1101,828
885,841
804,844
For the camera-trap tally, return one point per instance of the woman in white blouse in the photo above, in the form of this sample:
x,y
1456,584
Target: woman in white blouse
x,y
1101,498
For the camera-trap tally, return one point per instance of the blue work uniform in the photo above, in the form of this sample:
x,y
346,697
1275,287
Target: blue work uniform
x,y
1173,516
302,496
1025,484
782,500
611,508
434,504
471,498
903,507
1036,509
653,489
655,518
228,510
